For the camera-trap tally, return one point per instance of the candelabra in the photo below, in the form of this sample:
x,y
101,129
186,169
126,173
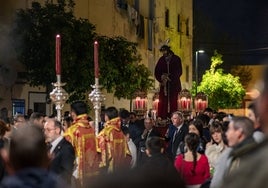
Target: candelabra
x,y
139,103
58,96
185,103
201,102
96,97
155,105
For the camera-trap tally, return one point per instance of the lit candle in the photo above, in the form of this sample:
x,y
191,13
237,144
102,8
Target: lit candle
x,y
96,59
58,45
139,103
204,105
155,104
199,104
136,103
142,104
188,104
145,103
183,101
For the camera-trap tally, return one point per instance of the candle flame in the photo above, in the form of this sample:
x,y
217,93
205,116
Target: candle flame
x,y
58,36
96,42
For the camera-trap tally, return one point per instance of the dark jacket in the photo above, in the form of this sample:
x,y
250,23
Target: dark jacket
x,y
62,162
142,156
153,132
135,131
32,178
179,139
252,172
240,151
161,163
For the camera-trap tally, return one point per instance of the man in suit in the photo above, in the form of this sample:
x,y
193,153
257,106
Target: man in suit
x,y
175,134
135,127
148,132
61,150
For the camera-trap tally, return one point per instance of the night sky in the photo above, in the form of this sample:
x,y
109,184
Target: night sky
x,y
238,29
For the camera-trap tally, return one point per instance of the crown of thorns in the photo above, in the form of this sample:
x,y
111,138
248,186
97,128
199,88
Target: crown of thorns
x,y
164,48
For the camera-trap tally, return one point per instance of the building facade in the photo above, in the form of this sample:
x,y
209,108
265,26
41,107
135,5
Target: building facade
x,y
150,23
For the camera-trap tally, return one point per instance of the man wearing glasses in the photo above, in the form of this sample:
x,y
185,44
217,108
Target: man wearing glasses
x,y
62,151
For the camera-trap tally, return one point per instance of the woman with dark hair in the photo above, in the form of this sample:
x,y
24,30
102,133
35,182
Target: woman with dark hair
x,y
196,127
192,165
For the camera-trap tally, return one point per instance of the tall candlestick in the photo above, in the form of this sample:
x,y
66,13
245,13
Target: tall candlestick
x,y
96,59
58,64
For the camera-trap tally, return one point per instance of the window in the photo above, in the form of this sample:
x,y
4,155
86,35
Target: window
x,y
18,106
38,102
137,5
150,34
40,107
187,73
179,23
167,18
187,27
151,9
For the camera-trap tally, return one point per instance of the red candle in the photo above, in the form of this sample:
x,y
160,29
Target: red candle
x,y
204,104
188,104
183,103
145,103
155,104
199,104
96,59
58,45
137,101
156,107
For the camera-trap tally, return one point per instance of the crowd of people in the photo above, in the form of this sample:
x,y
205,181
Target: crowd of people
x,y
214,149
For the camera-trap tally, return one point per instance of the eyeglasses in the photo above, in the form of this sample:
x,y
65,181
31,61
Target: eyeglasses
x,y
49,130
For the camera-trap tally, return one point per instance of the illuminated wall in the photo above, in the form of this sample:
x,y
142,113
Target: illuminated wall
x,y
141,21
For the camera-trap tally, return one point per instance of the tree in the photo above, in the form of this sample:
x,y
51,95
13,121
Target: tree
x,y
244,73
223,90
34,33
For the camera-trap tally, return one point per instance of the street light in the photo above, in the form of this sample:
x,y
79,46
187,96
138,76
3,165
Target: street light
x,y
196,67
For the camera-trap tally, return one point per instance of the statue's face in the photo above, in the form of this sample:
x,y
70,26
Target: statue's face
x,y
165,52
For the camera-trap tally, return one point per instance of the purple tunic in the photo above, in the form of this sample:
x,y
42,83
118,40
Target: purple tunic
x,y
168,94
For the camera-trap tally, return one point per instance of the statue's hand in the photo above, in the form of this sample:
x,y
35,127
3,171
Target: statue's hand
x,y
165,78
